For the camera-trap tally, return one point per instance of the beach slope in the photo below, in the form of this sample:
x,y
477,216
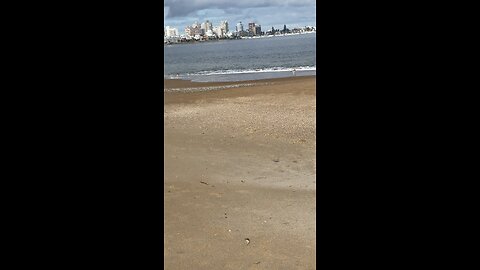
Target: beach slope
x,y
239,174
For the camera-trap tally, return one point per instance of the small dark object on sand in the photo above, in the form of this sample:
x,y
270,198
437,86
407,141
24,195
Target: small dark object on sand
x,y
276,160
247,240
204,183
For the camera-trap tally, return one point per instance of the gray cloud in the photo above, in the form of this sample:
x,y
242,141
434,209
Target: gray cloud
x,y
267,13
181,8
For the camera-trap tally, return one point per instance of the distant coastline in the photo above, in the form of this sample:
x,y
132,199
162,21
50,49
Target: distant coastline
x,y
193,41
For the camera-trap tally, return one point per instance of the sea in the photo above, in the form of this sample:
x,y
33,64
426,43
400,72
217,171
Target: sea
x,y
242,59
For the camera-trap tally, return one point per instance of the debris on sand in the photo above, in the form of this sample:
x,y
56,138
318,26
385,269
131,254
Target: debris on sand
x,y
276,160
247,240
205,183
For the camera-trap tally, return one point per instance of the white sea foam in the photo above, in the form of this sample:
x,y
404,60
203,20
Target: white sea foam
x,y
246,71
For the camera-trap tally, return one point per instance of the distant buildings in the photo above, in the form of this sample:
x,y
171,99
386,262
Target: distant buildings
x,y
239,27
170,32
224,26
195,31
258,30
251,27
219,32
170,35
207,26
207,31
254,29
222,30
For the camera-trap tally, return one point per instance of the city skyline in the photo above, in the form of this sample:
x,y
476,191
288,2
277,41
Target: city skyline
x,y
207,31
268,13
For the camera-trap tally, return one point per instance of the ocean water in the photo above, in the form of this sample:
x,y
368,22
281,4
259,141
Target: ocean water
x,y
245,59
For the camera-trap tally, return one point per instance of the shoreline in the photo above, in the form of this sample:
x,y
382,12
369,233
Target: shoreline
x,y
185,83
274,86
245,75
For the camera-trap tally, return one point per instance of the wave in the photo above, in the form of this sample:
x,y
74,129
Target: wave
x,y
245,71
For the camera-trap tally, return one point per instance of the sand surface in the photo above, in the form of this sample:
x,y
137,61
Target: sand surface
x,y
240,164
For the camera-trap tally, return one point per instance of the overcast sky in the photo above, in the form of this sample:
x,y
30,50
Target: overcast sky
x,y
267,13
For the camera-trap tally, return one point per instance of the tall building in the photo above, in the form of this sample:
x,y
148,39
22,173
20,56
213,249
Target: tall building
x,y
251,27
224,26
207,26
194,30
239,27
171,32
189,31
220,31
257,30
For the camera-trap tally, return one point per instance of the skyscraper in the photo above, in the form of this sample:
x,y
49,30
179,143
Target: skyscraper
x,y
257,30
189,31
239,27
207,26
224,26
171,32
251,28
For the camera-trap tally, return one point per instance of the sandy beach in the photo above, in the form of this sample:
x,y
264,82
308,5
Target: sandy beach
x,y
240,174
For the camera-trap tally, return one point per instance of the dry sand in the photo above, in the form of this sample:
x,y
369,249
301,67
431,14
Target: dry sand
x,y
240,164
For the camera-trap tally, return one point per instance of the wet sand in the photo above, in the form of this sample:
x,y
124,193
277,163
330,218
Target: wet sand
x,y
240,164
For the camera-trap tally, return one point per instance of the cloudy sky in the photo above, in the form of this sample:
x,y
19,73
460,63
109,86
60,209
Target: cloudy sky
x,y
267,13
